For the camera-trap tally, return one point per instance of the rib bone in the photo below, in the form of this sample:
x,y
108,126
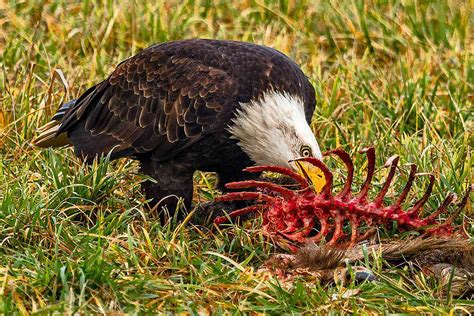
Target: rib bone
x,y
293,214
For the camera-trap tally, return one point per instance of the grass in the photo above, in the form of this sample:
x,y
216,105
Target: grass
x,y
75,238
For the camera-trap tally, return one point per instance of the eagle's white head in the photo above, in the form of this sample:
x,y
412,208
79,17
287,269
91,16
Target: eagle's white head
x,y
273,131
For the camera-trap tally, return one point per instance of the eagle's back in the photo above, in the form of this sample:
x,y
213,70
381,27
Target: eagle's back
x,y
171,95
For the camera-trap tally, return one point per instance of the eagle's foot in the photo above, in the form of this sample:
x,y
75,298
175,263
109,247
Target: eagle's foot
x,y
206,213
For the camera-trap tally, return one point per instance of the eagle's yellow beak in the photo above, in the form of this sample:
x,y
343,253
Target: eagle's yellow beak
x,y
312,174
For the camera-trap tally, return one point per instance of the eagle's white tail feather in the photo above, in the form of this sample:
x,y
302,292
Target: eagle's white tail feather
x,y
48,136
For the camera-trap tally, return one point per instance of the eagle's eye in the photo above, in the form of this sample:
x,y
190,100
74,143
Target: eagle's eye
x,y
305,151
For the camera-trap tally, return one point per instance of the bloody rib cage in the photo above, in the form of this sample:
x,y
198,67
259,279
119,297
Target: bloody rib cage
x,y
306,216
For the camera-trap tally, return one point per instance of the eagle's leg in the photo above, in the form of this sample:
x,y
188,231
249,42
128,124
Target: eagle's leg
x,y
172,184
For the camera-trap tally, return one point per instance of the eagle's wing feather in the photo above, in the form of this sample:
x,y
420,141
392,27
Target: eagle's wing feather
x,y
150,101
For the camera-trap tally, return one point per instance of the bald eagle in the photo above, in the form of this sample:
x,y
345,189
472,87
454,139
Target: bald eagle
x,y
182,106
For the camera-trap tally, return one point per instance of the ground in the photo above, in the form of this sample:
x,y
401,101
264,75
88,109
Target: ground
x,y
75,238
